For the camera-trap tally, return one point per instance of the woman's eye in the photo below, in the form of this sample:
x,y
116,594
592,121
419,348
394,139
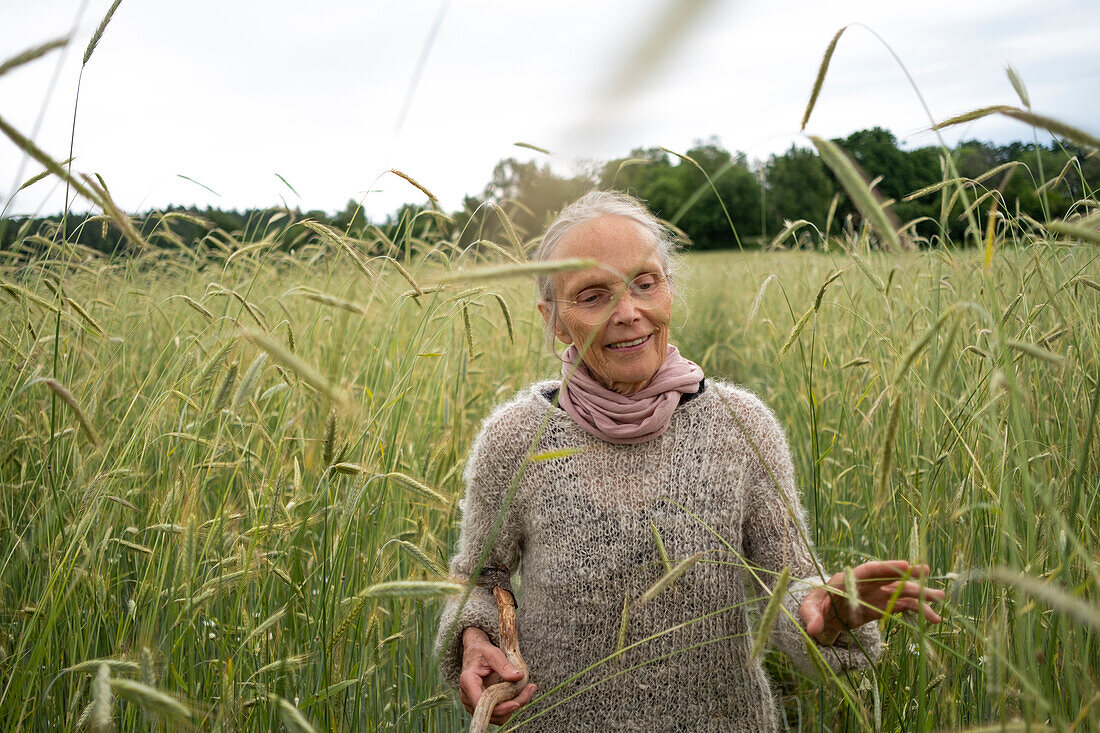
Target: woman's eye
x,y
591,298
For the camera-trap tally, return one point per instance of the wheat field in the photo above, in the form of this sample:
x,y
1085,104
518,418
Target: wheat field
x,y
230,468
230,474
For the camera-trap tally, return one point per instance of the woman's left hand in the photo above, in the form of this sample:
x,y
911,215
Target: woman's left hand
x,y
826,611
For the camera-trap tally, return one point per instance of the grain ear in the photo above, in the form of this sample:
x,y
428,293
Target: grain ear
x,y
98,35
819,81
771,613
32,54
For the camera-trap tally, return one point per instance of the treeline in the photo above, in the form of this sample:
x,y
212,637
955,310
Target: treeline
x,y
722,200
718,198
175,226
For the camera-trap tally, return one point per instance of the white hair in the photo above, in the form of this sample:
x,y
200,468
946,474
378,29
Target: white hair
x,y
596,204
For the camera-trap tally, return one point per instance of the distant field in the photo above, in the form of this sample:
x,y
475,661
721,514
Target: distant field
x,y
191,532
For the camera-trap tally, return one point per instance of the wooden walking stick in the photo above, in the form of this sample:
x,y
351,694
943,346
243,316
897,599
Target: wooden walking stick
x,y
496,577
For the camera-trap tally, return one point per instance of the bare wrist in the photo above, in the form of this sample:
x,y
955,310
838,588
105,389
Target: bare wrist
x,y
473,635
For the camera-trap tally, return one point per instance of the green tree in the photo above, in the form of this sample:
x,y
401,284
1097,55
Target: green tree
x,y
896,173
724,212
532,194
650,175
352,219
681,193
798,187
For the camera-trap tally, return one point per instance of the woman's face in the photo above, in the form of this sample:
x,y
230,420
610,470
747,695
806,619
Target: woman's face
x,y
627,338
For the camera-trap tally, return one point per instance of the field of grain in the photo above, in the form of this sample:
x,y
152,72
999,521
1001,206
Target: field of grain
x,y
230,468
229,474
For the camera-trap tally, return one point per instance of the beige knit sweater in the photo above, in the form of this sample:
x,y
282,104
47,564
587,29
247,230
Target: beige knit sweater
x,y
579,533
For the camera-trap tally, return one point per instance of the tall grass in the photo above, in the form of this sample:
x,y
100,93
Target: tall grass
x,y
975,453
212,525
235,539
229,473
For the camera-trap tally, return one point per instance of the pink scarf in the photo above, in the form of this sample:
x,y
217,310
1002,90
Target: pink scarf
x,y
627,419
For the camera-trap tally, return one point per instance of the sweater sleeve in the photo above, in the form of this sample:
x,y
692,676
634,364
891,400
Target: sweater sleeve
x,y
495,460
774,536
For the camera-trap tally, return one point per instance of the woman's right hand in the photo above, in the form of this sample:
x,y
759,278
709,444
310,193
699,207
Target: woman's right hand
x,y
483,664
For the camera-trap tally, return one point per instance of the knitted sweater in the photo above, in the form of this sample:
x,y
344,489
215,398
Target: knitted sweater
x,y
580,532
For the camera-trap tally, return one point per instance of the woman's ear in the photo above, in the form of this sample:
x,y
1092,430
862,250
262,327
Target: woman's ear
x,y
550,318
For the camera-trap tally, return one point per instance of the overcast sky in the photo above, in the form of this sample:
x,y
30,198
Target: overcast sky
x,y
236,93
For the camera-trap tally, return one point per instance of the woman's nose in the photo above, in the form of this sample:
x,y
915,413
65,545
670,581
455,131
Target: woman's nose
x,y
626,309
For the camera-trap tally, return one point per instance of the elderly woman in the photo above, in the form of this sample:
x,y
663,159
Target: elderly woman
x,y
649,461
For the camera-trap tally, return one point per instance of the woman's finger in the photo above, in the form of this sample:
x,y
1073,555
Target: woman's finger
x,y
499,663
505,710
893,599
916,590
502,712
886,570
525,695
812,613
916,606
930,614
905,604
470,688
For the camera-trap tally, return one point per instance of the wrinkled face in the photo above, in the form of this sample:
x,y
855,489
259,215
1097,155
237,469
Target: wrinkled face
x,y
626,334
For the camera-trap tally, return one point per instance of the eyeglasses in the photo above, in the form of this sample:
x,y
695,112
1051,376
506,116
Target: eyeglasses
x,y
594,305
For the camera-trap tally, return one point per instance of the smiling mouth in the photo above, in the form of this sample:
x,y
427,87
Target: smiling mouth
x,y
628,344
